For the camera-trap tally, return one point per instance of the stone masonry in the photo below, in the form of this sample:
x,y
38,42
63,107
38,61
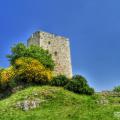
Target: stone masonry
x,y
58,46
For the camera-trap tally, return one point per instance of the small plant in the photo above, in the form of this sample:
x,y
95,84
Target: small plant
x,y
60,80
78,84
116,89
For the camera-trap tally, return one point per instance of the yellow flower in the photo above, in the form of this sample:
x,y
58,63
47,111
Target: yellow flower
x,y
7,74
33,70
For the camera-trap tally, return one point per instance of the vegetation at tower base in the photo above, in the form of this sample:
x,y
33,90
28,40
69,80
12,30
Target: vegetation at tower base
x,y
31,70
38,53
33,65
79,84
60,80
25,70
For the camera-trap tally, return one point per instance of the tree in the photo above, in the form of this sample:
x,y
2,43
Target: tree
x,y
36,52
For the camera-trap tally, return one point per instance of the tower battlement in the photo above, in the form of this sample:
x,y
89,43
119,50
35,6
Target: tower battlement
x,y
58,47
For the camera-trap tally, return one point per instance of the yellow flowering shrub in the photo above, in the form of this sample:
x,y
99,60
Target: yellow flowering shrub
x,y
24,70
31,70
7,75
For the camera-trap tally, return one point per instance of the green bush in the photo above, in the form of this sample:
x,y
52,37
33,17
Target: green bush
x,y
116,89
60,80
30,70
88,90
36,52
79,84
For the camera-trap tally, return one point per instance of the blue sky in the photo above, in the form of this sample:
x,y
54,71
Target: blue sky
x,y
93,27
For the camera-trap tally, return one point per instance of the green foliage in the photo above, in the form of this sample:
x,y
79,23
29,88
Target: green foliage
x,y
6,77
60,80
30,70
79,84
36,52
88,90
116,89
25,70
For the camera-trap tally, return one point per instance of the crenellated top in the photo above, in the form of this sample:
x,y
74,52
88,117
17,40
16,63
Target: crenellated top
x,y
50,35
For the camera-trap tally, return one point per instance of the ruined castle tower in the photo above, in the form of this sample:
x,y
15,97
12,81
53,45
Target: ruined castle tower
x,y
59,48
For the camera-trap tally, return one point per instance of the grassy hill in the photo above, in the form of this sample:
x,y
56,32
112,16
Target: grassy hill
x,y
59,104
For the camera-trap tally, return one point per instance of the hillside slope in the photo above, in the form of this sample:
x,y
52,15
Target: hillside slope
x,y
58,104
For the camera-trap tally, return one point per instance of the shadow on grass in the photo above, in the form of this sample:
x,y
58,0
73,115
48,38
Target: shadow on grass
x,y
5,93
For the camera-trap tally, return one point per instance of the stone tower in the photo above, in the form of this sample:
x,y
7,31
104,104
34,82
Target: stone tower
x,y
59,48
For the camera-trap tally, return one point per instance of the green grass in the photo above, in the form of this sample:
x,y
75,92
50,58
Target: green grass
x,y
59,104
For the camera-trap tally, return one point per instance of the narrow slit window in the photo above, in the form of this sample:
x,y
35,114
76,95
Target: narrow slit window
x,y
49,43
55,53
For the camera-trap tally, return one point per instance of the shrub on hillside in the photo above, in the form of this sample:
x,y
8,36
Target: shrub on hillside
x,y
6,77
36,52
60,80
116,89
88,90
25,71
32,71
79,84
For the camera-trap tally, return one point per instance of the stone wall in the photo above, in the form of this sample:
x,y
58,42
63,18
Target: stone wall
x,y
59,47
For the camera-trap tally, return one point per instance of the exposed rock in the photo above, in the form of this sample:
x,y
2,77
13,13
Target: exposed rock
x,y
111,93
103,101
29,104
